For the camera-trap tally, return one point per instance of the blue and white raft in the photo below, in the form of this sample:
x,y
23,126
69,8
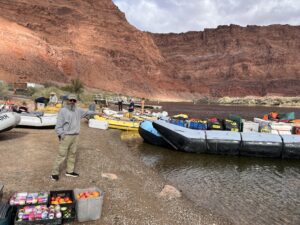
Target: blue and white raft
x,y
8,120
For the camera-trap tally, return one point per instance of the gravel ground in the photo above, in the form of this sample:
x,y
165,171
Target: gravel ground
x,y
27,155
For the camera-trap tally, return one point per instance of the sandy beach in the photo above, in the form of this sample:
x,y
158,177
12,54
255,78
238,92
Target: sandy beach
x,y
27,155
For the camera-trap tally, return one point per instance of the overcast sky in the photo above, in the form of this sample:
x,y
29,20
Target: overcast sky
x,y
164,16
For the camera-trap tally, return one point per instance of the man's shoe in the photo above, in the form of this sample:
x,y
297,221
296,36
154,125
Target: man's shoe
x,y
73,174
54,177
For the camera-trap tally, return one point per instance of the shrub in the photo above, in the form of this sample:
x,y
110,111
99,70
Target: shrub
x,y
3,90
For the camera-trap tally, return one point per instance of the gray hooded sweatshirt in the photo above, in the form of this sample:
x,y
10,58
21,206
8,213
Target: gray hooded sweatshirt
x,y
68,120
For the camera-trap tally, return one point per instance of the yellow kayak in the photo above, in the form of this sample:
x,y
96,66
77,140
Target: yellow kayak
x,y
119,124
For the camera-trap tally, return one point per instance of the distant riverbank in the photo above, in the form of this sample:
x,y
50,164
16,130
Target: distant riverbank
x,y
260,101
243,101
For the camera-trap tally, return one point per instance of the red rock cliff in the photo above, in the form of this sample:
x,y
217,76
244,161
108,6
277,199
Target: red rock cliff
x,y
236,61
58,40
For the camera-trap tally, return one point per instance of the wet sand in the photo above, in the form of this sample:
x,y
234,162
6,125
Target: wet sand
x,y
27,155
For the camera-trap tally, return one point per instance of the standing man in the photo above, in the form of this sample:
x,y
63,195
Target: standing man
x,y
143,105
53,99
120,103
93,106
131,108
67,129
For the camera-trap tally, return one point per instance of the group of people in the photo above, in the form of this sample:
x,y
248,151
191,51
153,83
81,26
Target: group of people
x,y
131,106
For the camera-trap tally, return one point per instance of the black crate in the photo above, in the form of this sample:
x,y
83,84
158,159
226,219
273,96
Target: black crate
x,y
55,221
39,222
63,194
72,217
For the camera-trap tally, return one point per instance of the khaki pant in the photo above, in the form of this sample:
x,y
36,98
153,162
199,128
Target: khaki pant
x,y
67,149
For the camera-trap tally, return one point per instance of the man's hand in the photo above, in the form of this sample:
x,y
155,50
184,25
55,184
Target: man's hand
x,y
61,137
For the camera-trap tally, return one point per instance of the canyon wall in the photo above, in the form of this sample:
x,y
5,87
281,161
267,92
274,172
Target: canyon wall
x,y
59,40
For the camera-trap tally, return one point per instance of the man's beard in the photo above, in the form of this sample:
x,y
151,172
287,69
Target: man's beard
x,y
71,107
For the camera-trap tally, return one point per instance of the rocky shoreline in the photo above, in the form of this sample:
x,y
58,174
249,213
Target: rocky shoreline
x,y
133,191
262,101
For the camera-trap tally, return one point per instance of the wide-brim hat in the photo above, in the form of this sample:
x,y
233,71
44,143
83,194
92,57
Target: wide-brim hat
x,y
52,93
72,96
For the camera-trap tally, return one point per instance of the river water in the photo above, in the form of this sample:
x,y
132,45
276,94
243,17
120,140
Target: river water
x,y
246,190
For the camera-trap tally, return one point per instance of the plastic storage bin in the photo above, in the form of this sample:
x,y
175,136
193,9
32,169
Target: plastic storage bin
x,y
90,208
249,126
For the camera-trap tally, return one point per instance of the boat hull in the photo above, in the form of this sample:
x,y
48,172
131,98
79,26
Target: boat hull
x,y
151,135
291,146
230,143
32,120
223,142
181,138
8,120
261,145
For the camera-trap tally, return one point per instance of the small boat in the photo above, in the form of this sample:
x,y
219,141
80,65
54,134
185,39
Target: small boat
x,y
8,120
119,123
151,135
38,120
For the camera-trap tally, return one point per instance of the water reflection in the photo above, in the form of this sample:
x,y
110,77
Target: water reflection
x,y
245,190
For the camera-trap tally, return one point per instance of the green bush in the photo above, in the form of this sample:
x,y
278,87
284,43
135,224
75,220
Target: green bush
x,y
76,87
3,90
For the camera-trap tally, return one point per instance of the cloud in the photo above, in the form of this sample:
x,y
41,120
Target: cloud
x,y
164,16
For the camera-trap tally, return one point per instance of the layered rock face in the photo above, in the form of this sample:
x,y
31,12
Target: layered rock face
x,y
236,61
59,40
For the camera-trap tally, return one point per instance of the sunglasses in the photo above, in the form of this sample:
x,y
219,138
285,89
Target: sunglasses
x,y
72,100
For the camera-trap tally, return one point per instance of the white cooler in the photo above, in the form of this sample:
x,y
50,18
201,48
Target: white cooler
x,y
249,126
103,125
